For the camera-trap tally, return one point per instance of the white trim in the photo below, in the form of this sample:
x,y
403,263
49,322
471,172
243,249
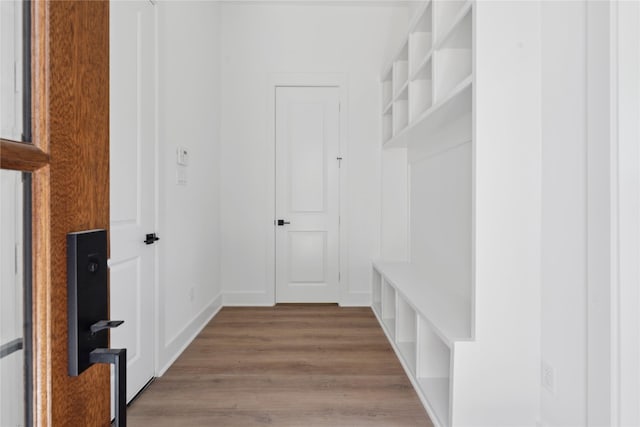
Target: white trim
x,y
613,213
247,298
339,80
356,299
185,337
359,3
599,218
625,35
156,201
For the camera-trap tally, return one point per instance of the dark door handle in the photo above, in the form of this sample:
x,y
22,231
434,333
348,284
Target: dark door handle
x,y
151,239
117,358
282,222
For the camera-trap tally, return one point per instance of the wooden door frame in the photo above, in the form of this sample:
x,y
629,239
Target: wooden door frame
x,y
276,80
69,161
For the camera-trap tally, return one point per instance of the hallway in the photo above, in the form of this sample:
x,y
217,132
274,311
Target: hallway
x,y
288,365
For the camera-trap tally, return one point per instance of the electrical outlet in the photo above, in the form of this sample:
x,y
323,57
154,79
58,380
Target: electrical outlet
x,y
548,377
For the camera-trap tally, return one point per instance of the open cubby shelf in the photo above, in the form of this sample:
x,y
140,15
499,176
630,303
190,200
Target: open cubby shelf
x,y
432,74
436,391
448,110
422,347
447,313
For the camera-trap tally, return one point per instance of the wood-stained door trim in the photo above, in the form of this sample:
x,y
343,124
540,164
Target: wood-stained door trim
x,y
70,104
21,156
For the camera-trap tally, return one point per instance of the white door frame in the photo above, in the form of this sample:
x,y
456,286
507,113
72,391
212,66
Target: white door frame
x,y
338,80
625,208
613,192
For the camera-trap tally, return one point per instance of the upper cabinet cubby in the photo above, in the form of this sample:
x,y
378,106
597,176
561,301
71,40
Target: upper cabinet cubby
x,y
453,56
421,40
445,14
401,70
387,92
427,84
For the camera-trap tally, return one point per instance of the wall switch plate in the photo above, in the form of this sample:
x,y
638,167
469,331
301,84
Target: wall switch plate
x,y
182,156
181,175
548,377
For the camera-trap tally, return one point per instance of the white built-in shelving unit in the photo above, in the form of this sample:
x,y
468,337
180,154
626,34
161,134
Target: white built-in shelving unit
x,y
430,76
458,126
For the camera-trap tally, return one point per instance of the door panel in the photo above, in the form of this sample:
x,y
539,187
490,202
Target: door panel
x,y
132,185
307,194
308,254
71,194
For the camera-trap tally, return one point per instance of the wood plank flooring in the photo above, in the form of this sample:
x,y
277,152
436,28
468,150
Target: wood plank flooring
x,y
288,365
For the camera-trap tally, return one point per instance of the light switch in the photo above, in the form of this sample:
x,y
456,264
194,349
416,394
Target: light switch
x,y
182,156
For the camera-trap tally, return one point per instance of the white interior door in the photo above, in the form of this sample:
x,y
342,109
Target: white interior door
x,y
132,151
307,194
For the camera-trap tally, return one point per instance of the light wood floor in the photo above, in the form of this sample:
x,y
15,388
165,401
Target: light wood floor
x,y
289,365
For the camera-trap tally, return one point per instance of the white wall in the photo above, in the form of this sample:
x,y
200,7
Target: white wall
x,y
564,212
189,116
627,210
261,39
11,70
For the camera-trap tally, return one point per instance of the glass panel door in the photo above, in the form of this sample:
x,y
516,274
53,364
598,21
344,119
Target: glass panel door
x,y
14,326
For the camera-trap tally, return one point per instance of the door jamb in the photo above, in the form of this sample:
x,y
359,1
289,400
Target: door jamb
x,y
340,81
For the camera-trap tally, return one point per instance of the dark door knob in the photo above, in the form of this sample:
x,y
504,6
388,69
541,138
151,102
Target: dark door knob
x,y
282,222
151,239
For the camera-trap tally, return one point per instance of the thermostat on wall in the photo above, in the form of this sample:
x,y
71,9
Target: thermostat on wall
x,y
182,156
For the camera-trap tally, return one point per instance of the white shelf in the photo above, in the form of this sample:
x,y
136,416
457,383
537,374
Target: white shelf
x,y
400,76
448,314
421,99
377,307
420,69
453,58
420,48
387,109
408,352
418,17
387,90
447,110
400,115
387,127
390,326
455,23
436,392
403,92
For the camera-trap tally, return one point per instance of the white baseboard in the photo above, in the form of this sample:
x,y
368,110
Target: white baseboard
x,y
250,299
262,299
356,299
180,342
